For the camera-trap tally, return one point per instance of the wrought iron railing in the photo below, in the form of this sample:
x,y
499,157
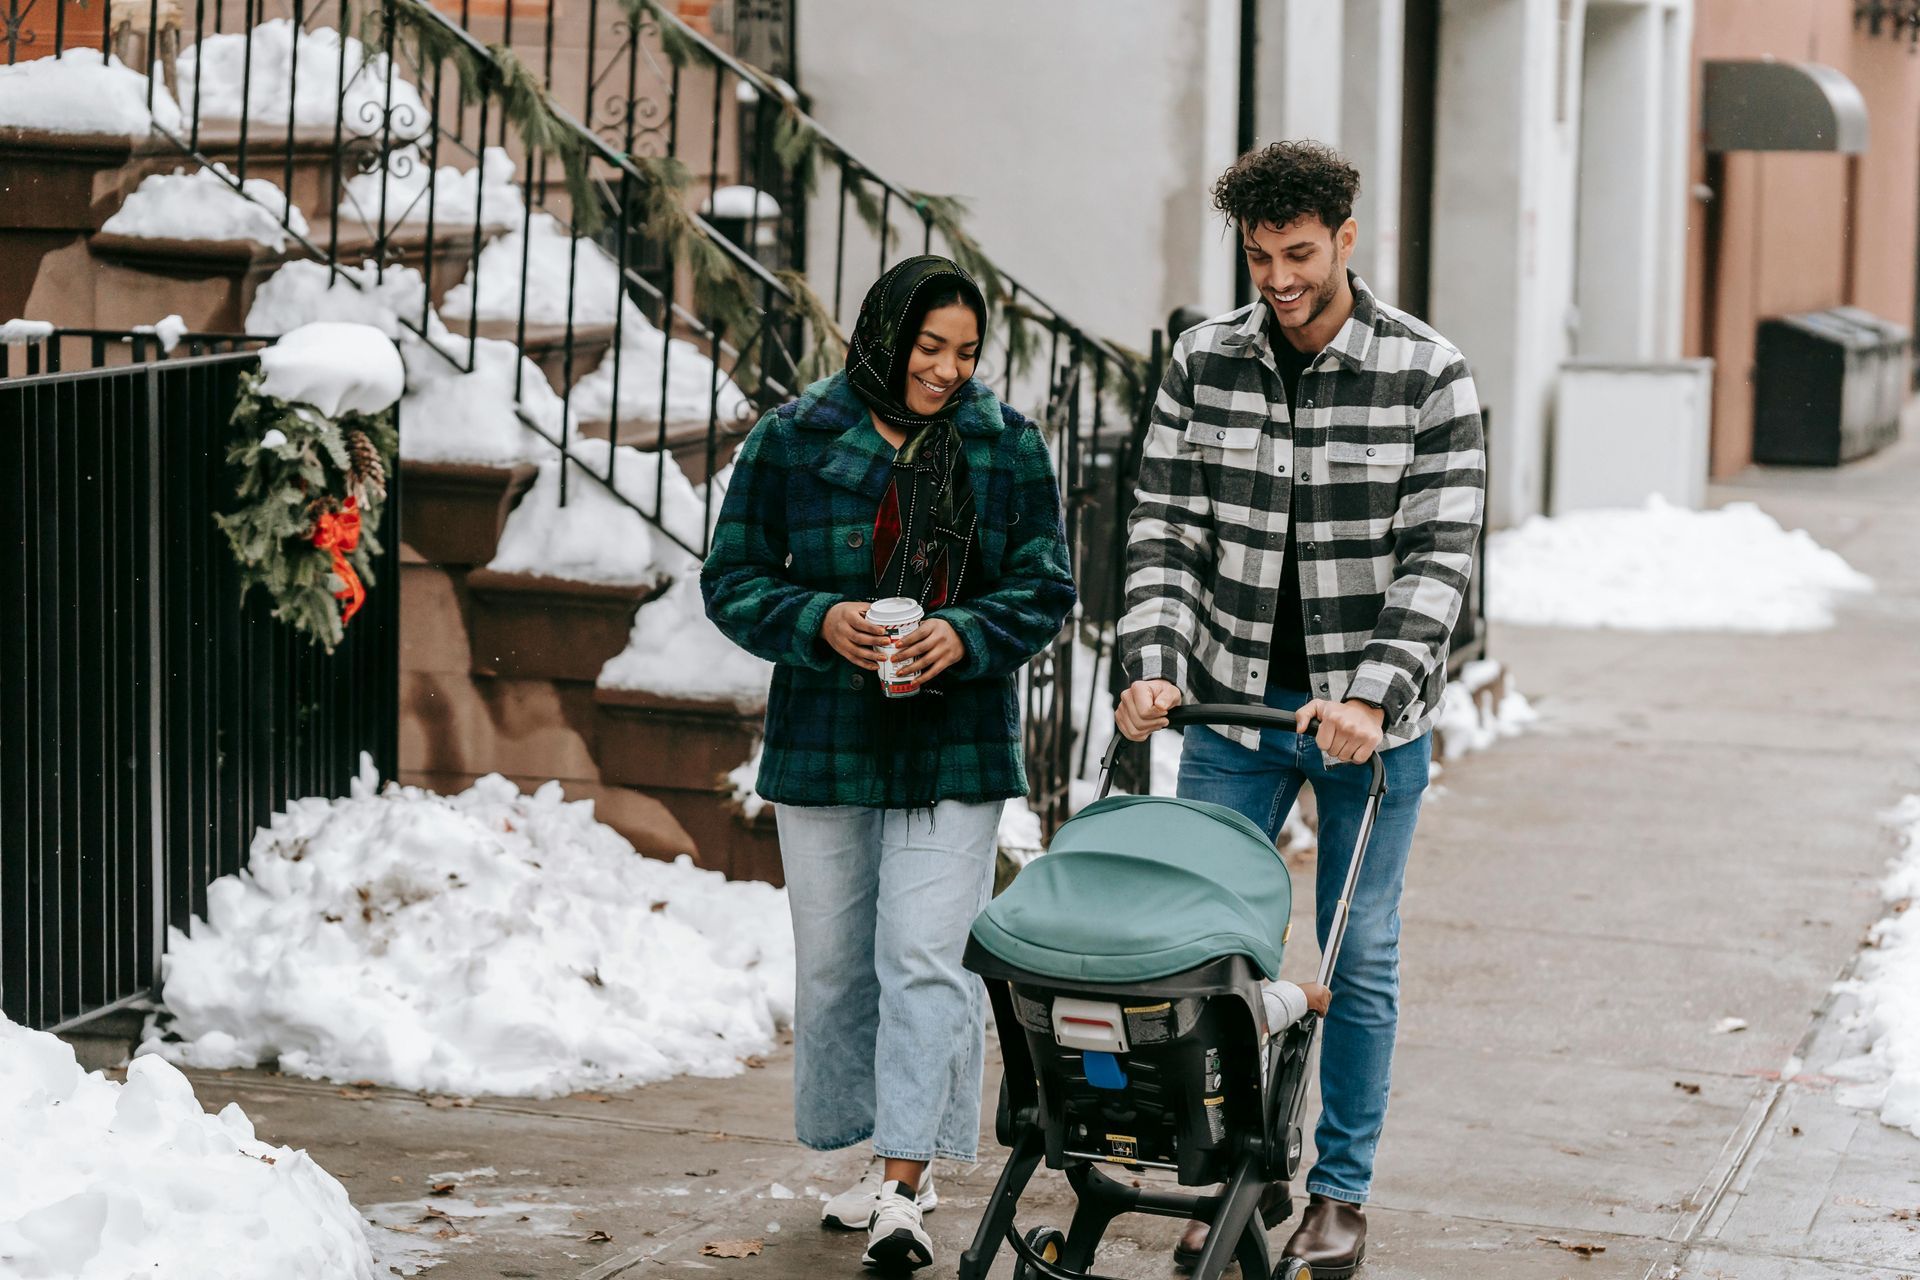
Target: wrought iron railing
x,y
152,723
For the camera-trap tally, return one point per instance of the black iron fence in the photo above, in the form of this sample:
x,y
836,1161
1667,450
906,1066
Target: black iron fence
x,y
149,725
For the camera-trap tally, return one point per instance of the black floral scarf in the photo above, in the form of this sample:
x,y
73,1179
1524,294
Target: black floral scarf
x,y
925,533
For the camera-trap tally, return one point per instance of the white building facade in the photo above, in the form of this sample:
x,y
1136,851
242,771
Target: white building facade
x,y
1524,162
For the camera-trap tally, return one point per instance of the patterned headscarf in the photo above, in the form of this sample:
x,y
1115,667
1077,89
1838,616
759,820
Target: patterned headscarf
x,y
889,321
924,533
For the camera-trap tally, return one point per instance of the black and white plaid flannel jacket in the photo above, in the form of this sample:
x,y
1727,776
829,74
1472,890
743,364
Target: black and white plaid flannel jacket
x,y
1381,484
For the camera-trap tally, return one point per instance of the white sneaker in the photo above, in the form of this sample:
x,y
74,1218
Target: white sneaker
x,y
897,1241
852,1209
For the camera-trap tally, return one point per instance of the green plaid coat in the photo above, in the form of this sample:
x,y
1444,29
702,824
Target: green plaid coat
x,y
794,539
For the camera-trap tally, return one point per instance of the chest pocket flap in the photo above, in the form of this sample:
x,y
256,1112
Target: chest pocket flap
x,y
1378,453
1224,432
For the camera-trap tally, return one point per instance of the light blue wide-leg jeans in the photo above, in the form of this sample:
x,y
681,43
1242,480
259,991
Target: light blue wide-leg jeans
x,y
889,1028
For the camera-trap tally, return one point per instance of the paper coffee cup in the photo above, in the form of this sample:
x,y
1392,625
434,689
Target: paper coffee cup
x,y
900,616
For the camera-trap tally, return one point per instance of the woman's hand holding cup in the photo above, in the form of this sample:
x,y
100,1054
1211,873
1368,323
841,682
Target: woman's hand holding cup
x,y
849,634
932,647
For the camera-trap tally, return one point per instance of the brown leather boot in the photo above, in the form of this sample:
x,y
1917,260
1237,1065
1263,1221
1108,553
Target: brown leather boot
x,y
1194,1238
1331,1239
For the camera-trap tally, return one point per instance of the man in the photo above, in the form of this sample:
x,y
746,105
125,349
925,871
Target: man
x,y
1309,498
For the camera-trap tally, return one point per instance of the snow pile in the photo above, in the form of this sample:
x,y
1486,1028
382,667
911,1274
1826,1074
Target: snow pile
x,y
77,93
489,942
554,254
103,1181
303,292
1666,568
168,331
1463,725
315,83
204,205
743,778
693,397
677,652
489,189
1887,988
740,202
451,415
596,537
336,368
16,333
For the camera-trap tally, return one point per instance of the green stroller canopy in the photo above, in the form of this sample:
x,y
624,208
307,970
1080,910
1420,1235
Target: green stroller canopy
x,y
1142,887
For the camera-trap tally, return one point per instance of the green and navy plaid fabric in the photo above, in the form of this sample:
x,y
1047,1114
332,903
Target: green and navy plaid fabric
x,y
794,539
1378,487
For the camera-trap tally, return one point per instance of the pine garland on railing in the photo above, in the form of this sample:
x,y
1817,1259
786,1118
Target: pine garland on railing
x,y
829,350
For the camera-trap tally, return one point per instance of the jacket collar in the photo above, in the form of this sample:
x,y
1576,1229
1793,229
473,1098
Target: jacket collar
x,y
1352,346
832,405
858,459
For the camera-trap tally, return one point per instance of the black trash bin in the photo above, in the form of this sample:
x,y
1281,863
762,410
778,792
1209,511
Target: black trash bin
x,y
1823,387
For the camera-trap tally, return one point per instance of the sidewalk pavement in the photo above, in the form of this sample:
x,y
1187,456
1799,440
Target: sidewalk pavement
x,y
1690,833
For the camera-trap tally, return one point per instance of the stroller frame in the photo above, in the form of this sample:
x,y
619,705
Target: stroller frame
x,y
1270,1157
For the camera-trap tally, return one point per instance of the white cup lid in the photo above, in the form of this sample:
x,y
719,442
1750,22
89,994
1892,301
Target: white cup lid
x,y
893,611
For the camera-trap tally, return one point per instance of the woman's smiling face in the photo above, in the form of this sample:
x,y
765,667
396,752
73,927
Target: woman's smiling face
x,y
943,356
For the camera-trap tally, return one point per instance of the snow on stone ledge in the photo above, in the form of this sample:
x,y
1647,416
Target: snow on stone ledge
x,y
102,1180
693,398
1666,568
489,942
596,537
677,652
740,202
488,189
77,93
336,368
316,85
203,205
451,415
1886,987
555,255
303,292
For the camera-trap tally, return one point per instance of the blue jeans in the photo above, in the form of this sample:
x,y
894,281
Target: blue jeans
x,y
888,1029
1356,1050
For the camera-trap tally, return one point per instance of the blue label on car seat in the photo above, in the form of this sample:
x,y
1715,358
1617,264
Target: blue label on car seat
x,y
1103,1070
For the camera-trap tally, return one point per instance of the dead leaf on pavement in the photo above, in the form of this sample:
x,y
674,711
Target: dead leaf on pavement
x,y
599,1237
591,1097
755,1061
441,1103
365,1084
435,1214
444,1188
1686,1087
731,1248
1580,1247
658,906
1570,1151
357,1095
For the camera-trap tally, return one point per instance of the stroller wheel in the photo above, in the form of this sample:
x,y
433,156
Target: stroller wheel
x,y
1292,1269
1045,1241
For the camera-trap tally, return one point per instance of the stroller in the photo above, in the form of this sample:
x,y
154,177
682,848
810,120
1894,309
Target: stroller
x,y
1124,969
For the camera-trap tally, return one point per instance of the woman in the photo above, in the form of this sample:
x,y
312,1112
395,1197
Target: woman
x,y
901,476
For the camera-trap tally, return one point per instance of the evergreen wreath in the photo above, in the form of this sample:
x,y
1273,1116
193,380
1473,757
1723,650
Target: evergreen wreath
x,y
311,493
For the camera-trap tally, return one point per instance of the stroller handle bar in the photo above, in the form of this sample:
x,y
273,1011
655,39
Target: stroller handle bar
x,y
1240,716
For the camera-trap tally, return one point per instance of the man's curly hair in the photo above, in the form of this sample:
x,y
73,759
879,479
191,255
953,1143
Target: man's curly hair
x,y
1287,180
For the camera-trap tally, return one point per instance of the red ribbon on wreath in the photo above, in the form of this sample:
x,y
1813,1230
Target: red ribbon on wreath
x,y
338,534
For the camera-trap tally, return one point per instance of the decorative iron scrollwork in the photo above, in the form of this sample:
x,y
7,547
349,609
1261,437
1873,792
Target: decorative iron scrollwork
x,y
1889,17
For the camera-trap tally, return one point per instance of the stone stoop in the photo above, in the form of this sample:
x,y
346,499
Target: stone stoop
x,y
545,345
681,751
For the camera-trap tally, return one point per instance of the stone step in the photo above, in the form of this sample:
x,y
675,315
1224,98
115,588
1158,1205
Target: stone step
x,y
451,513
529,626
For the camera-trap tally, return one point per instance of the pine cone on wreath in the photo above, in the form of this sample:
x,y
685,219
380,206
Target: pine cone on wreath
x,y
369,473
